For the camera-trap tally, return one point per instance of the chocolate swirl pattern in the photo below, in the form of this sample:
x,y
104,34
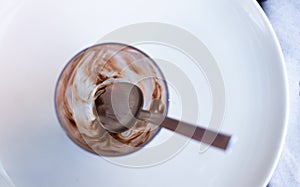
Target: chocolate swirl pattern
x,y
84,79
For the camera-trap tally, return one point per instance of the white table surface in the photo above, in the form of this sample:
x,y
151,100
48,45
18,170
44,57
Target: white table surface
x,y
285,18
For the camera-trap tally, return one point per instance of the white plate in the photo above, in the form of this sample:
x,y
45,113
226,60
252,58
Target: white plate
x,y
37,38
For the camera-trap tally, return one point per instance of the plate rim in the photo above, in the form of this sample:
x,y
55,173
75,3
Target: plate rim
x,y
286,99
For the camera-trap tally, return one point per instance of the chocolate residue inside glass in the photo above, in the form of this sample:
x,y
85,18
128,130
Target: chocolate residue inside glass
x,y
85,78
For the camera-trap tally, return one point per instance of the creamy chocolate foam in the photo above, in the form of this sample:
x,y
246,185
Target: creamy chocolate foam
x,y
85,78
